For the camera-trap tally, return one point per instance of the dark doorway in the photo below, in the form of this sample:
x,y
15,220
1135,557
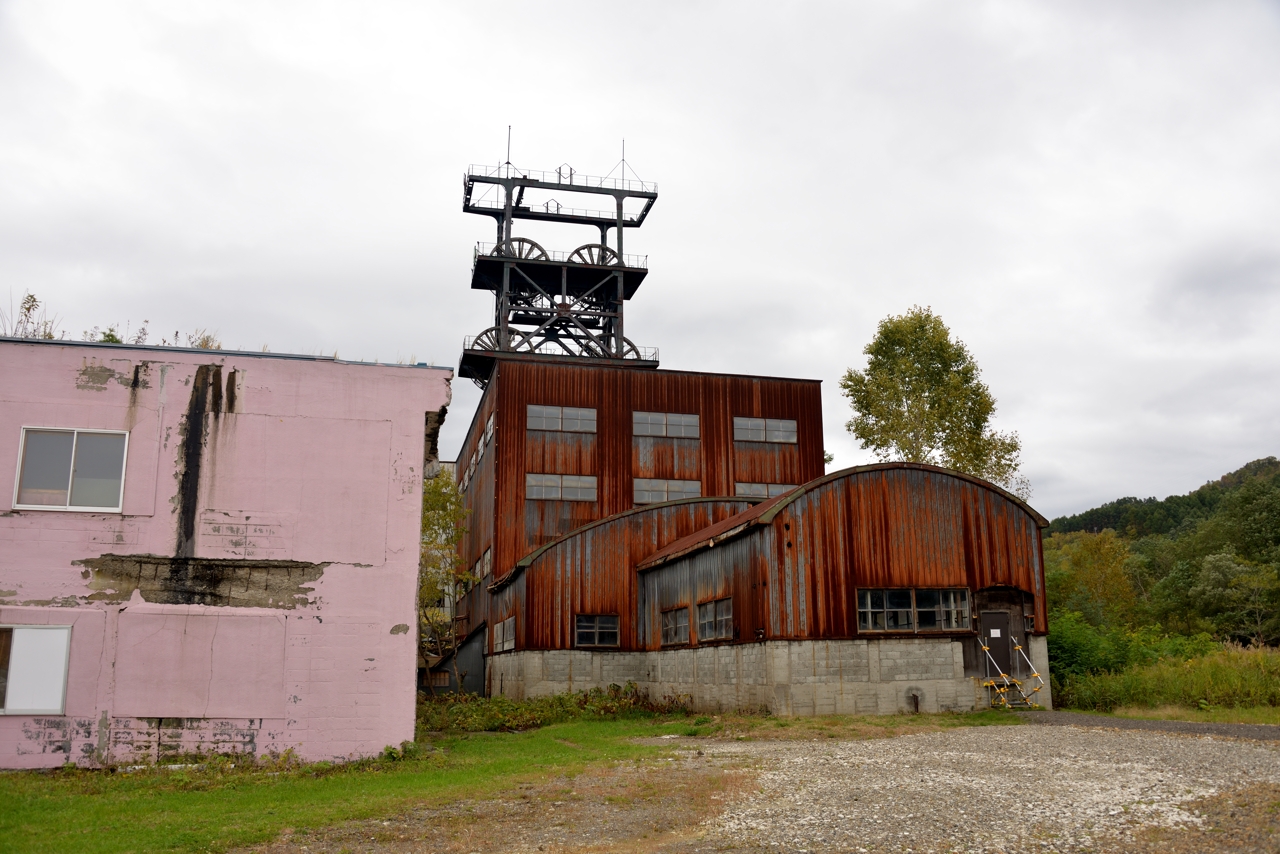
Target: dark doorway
x,y
995,634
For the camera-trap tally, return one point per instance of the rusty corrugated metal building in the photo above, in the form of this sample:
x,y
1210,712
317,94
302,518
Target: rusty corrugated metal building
x,y
676,529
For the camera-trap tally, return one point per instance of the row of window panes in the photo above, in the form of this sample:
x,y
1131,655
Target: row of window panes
x,y
504,635
571,419
560,487
715,622
762,490
664,424
483,565
907,610
651,491
71,470
477,455
764,430
566,419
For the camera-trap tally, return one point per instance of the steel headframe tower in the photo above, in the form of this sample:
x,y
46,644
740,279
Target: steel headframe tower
x,y
553,303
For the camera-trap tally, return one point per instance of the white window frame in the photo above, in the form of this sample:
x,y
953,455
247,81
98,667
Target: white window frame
x,y
563,414
75,431
721,624
655,484
562,482
663,419
762,490
780,431
66,666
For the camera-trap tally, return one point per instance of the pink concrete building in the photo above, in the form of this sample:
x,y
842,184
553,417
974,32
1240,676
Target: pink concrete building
x,y
208,550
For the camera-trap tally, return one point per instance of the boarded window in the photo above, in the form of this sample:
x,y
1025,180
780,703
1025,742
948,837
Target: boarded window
x,y
33,669
504,635
71,470
764,430
715,620
675,626
762,490
912,610
596,630
670,424
651,491
568,419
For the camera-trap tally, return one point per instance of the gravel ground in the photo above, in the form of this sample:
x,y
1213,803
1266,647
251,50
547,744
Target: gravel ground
x,y
990,789
1008,789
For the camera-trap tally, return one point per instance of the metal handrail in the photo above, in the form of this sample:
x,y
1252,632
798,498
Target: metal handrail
x,y
643,354
570,179
638,262
612,216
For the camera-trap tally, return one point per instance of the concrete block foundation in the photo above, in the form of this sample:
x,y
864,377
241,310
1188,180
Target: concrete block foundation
x,y
785,677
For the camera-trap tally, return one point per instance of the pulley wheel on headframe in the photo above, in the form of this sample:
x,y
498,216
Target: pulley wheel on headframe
x,y
522,248
596,254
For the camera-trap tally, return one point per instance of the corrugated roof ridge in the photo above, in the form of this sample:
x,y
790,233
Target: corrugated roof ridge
x,y
764,514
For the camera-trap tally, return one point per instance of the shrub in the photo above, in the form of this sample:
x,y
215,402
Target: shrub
x,y
473,713
1232,676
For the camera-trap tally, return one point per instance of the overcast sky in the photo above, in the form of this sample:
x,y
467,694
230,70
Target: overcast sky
x,y
1088,193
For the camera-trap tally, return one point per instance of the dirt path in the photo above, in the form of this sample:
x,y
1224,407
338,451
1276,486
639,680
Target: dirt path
x,y
975,790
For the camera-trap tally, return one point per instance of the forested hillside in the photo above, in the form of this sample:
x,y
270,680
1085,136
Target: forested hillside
x,y
1137,579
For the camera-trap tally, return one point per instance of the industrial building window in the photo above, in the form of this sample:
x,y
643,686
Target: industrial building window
x,y
71,470
33,669
762,490
715,620
504,635
597,630
650,491
567,419
562,487
764,430
675,626
912,610
664,424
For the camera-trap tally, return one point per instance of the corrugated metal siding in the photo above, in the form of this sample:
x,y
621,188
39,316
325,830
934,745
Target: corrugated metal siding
x,y
479,498
615,393
891,527
591,572
669,459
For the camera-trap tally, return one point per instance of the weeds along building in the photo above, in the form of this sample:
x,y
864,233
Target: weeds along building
x,y
208,551
677,529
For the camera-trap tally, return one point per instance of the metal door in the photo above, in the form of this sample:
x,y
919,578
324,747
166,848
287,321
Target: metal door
x,y
995,634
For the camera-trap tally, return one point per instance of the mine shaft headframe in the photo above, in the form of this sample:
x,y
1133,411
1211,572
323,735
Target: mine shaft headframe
x,y
510,205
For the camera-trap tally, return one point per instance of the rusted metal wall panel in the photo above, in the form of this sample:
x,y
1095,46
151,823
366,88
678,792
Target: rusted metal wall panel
x,y
548,452
479,496
732,570
890,527
666,458
615,393
590,572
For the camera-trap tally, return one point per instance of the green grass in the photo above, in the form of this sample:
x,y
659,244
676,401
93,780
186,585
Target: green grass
x,y
220,807
1212,715
1229,678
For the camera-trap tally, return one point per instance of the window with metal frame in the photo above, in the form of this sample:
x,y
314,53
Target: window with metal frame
x,y
675,626
504,635
669,424
565,419
715,620
762,490
779,430
79,470
560,487
596,630
33,669
652,491
907,610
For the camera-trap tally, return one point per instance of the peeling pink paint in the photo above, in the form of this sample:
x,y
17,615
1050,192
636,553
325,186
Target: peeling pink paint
x,y
248,597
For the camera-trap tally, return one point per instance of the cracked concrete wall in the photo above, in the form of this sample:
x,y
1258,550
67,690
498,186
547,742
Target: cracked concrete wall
x,y
253,592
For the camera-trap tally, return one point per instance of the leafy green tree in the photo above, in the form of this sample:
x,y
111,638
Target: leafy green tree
x,y
1091,574
921,399
442,579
